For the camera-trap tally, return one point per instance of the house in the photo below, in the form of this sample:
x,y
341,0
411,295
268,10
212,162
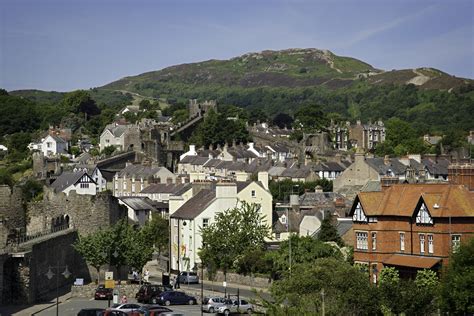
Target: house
x,y
95,174
54,146
299,174
123,137
411,226
133,109
436,168
188,216
79,181
135,177
364,136
329,170
279,152
139,209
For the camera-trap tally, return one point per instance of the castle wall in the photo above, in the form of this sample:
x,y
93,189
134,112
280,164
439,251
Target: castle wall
x,y
11,206
86,213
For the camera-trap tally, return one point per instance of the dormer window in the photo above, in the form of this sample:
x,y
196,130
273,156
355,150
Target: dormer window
x,y
423,217
283,219
359,215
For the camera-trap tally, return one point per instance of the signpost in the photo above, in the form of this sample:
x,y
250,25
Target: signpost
x,y
110,284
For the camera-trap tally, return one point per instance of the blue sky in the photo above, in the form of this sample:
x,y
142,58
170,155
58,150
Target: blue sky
x,y
64,45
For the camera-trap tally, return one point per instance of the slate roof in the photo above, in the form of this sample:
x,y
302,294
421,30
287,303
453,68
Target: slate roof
x,y
195,205
187,159
318,198
137,203
279,148
212,163
240,153
67,179
141,171
296,172
394,165
108,174
403,199
199,161
343,227
116,129
372,186
436,167
57,139
165,188
276,171
330,166
89,168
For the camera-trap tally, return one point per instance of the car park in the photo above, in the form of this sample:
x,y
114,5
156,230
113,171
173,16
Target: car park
x,y
236,307
176,297
149,293
103,293
158,310
188,277
211,304
127,307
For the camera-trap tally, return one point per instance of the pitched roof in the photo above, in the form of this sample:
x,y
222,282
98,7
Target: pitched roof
x,y
137,203
394,165
442,200
195,205
141,171
420,262
436,167
116,129
67,179
296,172
165,188
318,198
187,159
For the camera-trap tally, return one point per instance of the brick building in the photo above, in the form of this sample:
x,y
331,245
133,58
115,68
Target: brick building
x,y
411,226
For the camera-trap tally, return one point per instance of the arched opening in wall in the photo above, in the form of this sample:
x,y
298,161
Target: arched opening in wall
x,y
143,146
66,221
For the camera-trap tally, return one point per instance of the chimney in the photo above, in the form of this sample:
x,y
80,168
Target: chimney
x,y
462,174
199,185
211,147
386,160
318,189
241,176
386,182
226,190
263,178
250,146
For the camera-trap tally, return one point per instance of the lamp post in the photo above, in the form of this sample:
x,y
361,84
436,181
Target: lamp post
x,y
50,274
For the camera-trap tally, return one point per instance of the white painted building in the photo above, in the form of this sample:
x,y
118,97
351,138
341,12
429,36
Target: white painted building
x,y
80,182
53,146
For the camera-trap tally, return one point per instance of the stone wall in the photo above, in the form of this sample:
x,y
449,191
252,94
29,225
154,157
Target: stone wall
x,y
257,282
86,213
88,290
11,206
56,253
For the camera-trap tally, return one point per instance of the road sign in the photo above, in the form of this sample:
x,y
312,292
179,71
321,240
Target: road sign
x,y
109,284
109,275
224,284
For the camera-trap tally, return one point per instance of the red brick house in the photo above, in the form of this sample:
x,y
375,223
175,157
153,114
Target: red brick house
x,y
411,226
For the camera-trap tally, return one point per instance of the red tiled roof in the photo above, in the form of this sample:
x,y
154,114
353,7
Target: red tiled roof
x,y
420,262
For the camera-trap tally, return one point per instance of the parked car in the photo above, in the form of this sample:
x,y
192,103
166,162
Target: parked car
x,y
158,310
149,293
211,304
175,297
91,312
102,293
234,307
188,277
127,307
115,312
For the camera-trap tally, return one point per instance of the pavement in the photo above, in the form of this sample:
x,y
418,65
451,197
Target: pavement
x,y
210,288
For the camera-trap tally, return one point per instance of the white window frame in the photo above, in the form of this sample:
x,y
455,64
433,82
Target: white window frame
x,y
205,222
362,240
422,243
430,243
253,193
423,217
359,215
374,240
402,241
455,242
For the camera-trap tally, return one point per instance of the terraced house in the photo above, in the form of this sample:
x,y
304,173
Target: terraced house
x,y
411,226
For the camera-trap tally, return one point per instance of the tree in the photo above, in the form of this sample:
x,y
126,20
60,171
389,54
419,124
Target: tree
x,y
233,232
79,101
109,150
344,287
283,120
157,230
328,232
458,281
139,248
312,118
93,248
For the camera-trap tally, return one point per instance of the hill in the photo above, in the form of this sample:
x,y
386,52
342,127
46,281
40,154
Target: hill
x,y
286,68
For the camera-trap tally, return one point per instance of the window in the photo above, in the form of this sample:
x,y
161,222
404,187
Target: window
x,y
430,244
277,236
374,241
49,144
455,242
372,219
124,184
133,187
362,240
422,243
402,241
423,216
205,222
359,215
283,219
254,194
84,185
176,222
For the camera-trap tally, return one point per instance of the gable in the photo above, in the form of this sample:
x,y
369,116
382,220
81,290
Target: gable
x,y
359,214
423,216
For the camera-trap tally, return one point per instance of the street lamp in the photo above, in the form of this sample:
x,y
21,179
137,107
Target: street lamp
x,y
50,274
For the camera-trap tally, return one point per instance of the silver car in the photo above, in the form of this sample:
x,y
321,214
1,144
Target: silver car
x,y
236,308
212,304
188,277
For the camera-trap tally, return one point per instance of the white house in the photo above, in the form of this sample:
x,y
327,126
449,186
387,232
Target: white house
x,y
95,173
53,146
187,217
139,209
123,137
80,182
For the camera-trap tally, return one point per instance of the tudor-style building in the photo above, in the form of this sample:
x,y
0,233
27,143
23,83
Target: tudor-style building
x,y
411,226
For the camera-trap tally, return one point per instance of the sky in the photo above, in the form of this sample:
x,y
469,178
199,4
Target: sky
x,y
63,45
